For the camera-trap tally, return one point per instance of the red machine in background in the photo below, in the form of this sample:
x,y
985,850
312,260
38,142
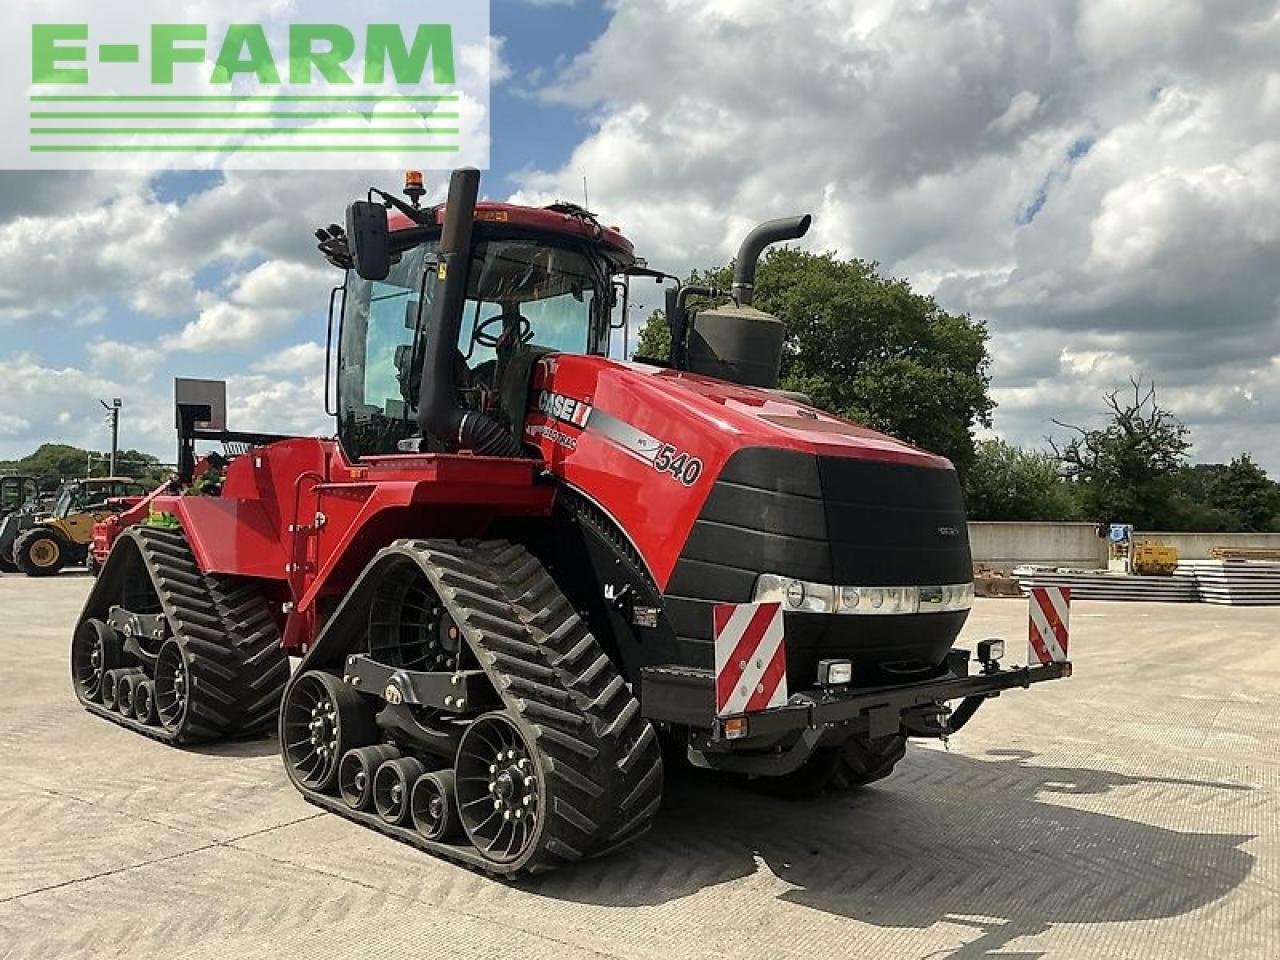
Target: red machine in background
x,y
521,560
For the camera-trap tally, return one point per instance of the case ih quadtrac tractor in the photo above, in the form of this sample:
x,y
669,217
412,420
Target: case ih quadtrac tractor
x,y
521,562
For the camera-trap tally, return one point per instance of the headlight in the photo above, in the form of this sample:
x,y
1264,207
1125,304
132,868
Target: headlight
x,y
804,596
798,595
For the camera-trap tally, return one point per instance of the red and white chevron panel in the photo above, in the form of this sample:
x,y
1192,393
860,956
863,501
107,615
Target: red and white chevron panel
x,y
1050,614
751,658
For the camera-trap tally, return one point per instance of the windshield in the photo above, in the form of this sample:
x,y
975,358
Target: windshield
x,y
523,294
65,501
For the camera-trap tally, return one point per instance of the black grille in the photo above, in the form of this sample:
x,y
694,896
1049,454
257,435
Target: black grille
x,y
829,520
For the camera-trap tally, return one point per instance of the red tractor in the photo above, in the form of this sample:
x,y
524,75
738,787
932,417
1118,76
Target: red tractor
x,y
521,563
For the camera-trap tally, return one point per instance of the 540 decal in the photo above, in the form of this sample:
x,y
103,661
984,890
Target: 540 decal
x,y
680,465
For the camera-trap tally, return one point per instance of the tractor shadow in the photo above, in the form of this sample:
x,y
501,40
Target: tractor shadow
x,y
947,838
262,746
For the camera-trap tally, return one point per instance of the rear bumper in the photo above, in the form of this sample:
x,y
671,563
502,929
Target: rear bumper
x,y
677,695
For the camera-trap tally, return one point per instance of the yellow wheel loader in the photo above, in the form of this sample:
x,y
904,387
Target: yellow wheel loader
x,y
41,545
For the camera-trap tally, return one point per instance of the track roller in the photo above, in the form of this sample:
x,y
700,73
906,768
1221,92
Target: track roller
x,y
392,784
323,719
434,806
95,649
144,701
111,686
126,690
355,774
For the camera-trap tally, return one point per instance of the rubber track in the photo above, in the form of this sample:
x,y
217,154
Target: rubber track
x,y
553,676
232,643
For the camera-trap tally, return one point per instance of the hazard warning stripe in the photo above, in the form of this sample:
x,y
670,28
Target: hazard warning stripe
x,y
1048,633
751,662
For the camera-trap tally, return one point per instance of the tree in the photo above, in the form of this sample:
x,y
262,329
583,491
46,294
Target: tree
x,y
655,337
1009,483
870,348
51,463
1127,470
1243,489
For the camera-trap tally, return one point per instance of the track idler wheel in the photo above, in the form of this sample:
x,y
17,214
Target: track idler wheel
x,y
323,719
144,701
434,806
355,774
126,692
111,683
500,788
392,785
95,649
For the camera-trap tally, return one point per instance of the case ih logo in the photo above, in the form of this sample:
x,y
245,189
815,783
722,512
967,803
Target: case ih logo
x,y
567,409
351,86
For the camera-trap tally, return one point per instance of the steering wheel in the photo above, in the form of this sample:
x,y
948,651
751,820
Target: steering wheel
x,y
485,338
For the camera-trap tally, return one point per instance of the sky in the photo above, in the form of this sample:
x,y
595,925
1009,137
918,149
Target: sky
x,y
1097,180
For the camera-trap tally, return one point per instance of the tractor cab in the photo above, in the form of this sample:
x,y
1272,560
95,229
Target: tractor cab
x,y
538,281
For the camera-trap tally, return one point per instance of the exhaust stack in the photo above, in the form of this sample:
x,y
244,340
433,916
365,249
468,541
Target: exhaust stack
x,y
439,414
737,342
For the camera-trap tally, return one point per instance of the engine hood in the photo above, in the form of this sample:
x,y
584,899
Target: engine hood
x,y
766,418
647,444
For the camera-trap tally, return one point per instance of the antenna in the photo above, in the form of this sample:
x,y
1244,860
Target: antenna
x,y
586,197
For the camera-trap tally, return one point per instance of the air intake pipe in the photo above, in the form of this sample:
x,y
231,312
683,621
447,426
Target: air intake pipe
x,y
439,414
774,231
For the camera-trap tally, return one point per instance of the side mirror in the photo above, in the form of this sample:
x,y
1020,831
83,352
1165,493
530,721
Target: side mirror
x,y
369,239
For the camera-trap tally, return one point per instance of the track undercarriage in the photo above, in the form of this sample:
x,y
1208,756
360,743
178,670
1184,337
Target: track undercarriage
x,y
179,655
456,701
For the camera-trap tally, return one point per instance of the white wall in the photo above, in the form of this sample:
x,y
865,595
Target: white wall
x,y
1078,545
1196,546
1052,544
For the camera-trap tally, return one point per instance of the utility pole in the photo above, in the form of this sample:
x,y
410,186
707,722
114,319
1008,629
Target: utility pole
x,y
113,417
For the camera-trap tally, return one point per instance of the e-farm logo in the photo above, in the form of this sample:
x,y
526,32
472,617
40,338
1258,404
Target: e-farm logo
x,y
307,88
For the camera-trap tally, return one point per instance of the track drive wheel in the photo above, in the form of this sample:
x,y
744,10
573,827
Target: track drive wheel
x,y
355,774
40,553
95,649
323,719
501,790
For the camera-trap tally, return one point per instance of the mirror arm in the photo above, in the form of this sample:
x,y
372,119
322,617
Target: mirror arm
x,y
419,216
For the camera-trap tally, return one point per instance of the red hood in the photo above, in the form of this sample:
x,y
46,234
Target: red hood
x,y
760,418
647,444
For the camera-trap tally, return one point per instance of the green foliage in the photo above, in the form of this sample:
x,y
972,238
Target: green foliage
x,y
52,463
1009,483
1127,471
655,337
868,348
1242,490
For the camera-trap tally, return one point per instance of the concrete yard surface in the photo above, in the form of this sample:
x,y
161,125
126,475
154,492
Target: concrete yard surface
x,y
1132,811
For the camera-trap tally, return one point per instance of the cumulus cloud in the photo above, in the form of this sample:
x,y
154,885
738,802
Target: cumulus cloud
x,y
264,301
1099,180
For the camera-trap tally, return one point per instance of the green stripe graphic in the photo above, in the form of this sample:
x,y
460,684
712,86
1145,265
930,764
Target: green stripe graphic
x,y
249,148
245,131
114,98
236,115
